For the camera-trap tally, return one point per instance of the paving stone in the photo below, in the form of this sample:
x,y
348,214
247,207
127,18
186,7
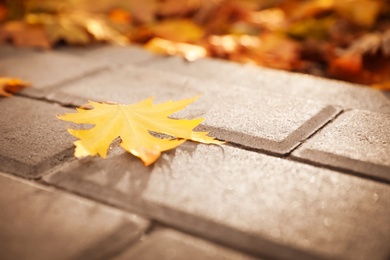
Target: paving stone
x,y
119,180
357,140
37,222
270,206
121,55
46,69
7,50
126,85
251,118
263,121
167,244
32,139
80,51
338,93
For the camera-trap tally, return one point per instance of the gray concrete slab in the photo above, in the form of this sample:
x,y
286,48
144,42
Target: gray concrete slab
x,y
127,85
7,50
264,121
119,55
270,206
37,222
45,70
79,51
32,139
338,93
254,119
167,244
119,180
357,140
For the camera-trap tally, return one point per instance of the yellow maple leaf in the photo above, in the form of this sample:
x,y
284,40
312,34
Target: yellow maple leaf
x,y
11,85
134,124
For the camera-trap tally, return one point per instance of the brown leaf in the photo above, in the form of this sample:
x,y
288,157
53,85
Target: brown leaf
x,y
3,12
372,43
23,34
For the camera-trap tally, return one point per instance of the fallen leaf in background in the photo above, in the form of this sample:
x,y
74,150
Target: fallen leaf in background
x,y
144,11
180,30
178,8
365,61
11,85
343,39
21,33
76,28
134,125
3,12
382,86
189,51
360,12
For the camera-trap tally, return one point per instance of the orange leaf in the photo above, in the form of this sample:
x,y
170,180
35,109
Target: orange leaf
x,y
11,85
120,16
382,86
23,34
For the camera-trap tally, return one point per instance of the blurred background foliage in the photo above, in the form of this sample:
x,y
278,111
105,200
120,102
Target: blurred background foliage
x,y
342,39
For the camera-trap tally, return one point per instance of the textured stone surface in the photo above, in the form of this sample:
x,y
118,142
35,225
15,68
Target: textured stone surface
x,y
46,69
166,244
119,180
263,121
41,223
270,206
7,50
127,85
252,118
121,55
357,140
289,84
32,138
80,51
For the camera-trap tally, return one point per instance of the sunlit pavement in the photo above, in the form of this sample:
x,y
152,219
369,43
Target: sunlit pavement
x,y
305,173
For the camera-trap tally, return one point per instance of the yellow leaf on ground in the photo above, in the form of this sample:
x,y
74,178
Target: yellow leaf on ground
x,y
11,85
135,125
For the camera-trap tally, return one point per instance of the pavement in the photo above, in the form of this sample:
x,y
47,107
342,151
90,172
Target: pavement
x,y
305,173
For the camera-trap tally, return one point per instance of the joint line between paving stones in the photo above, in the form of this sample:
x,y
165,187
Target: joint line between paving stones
x,y
46,100
154,222
308,162
352,172
289,156
153,225
301,142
